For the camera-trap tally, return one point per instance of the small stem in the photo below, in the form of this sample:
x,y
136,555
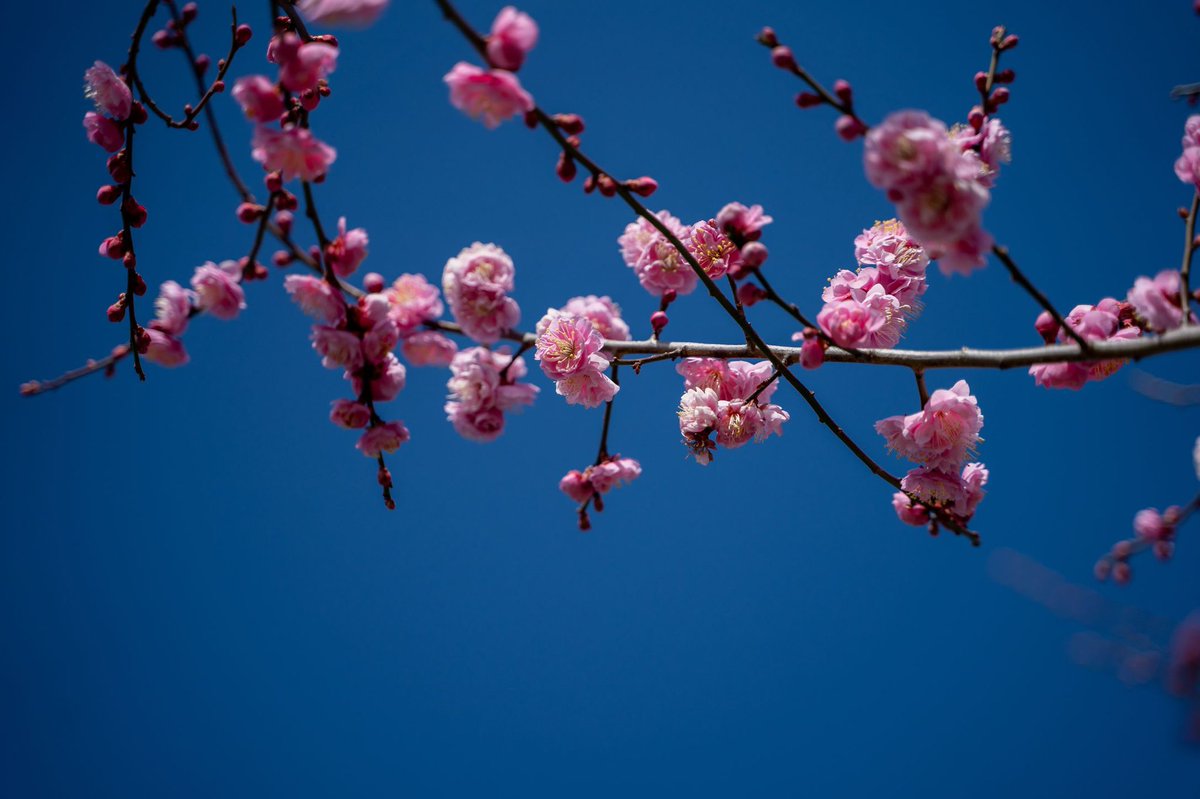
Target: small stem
x,y
525,347
1020,279
763,387
919,374
602,453
1185,270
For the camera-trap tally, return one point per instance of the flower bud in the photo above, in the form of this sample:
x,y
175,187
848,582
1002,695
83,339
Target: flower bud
x,y
781,56
658,321
754,254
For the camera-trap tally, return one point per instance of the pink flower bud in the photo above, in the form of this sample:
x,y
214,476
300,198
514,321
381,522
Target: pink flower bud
x,y
569,123
188,13
373,282
781,56
1000,96
1102,569
242,35
139,285
1009,42
607,186
750,293
980,80
202,63
118,167
116,311
848,128
1121,573
643,186
843,90
976,118
808,100
658,321
108,194
135,213
284,220
1047,327
565,168
812,351
669,296
767,37
754,254
129,261
282,258
250,212
1005,76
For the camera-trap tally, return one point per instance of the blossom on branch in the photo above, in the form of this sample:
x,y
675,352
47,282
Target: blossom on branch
x,y
348,13
490,96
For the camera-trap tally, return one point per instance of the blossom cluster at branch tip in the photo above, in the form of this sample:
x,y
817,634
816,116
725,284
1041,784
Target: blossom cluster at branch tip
x,y
1108,320
514,34
1156,301
476,283
593,482
717,400
940,437
569,349
940,181
483,385
215,290
491,96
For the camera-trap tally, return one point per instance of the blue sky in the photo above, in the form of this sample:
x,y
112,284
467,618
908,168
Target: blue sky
x,y
203,595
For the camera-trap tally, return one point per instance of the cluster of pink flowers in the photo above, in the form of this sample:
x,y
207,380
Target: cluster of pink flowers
x,y
1151,529
483,385
347,252
349,13
1187,168
716,399
1156,300
215,290
415,302
940,181
570,349
358,339
476,283
494,95
659,266
595,481
870,306
290,149
1107,320
940,437
114,104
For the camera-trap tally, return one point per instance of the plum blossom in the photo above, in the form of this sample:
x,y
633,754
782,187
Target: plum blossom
x,y
350,414
413,301
590,388
386,437
316,298
1154,526
259,98
1187,168
387,379
716,400
958,494
872,318
103,131
612,472
293,152
656,262
344,13
164,349
942,434
172,308
428,348
1107,321
602,312
741,223
476,283
514,34
712,249
217,289
348,250
1156,300
490,96
108,91
302,65
569,345
480,393
340,349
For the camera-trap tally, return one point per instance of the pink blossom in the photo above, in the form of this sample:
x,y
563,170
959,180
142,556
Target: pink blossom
x,y
712,249
706,373
339,348
108,91
165,349
413,302
373,309
570,345
217,289
1187,168
172,308
942,434
947,206
259,98
744,378
479,395
909,512
576,485
316,298
907,149
613,472
897,255
348,250
741,223
1102,322
658,264
476,283
293,152
959,494
588,388
344,13
873,319
603,313
388,379
995,148
1157,301
514,34
350,414
492,96
428,348
103,131
382,438
966,253
812,351
380,340
485,424
301,64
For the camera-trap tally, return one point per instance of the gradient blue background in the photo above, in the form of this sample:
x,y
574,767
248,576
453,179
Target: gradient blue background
x,y
203,595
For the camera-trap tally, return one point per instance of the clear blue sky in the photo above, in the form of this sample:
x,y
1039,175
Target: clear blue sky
x,y
203,595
